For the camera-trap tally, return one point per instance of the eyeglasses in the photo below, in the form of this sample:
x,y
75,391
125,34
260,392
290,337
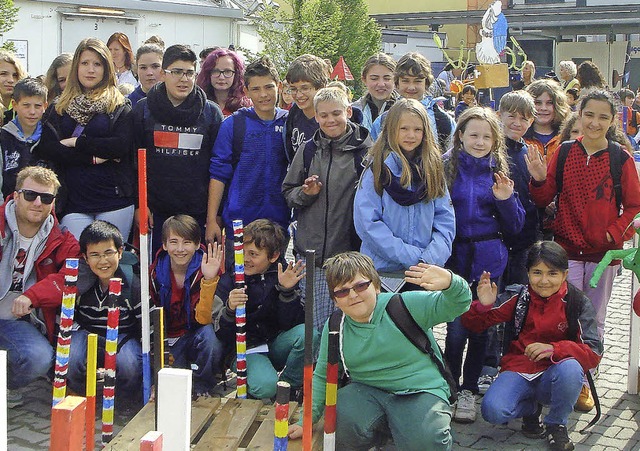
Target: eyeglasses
x,y
179,73
358,288
108,254
31,196
227,73
304,91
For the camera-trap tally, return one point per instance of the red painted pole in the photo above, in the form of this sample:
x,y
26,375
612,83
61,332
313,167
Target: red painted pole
x,y
307,425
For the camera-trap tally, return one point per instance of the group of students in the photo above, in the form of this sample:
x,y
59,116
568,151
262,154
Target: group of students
x,y
405,185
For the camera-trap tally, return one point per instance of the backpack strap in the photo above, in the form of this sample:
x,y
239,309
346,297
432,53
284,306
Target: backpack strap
x,y
563,152
239,129
615,166
401,317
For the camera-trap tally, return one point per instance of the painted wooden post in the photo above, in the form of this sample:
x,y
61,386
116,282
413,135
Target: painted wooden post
x,y
157,317
67,424
281,440
92,366
110,349
174,408
331,396
241,312
307,425
152,441
3,400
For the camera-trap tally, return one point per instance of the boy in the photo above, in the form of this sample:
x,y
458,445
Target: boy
x,y
627,97
306,74
177,125
275,315
19,138
467,100
184,278
101,245
320,186
149,62
249,159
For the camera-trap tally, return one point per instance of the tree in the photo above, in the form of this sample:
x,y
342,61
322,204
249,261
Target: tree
x,y
8,18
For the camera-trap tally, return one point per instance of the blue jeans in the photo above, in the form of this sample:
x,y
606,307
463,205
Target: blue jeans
x,y
29,353
122,219
201,351
457,337
512,396
128,362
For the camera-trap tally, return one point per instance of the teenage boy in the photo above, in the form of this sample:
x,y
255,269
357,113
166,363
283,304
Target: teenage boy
x,y
249,159
275,315
322,193
19,138
184,277
177,125
33,247
150,73
306,75
412,78
101,245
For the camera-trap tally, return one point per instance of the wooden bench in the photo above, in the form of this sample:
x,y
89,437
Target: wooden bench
x,y
218,424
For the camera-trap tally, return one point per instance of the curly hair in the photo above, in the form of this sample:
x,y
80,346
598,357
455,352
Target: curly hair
x,y
589,76
560,106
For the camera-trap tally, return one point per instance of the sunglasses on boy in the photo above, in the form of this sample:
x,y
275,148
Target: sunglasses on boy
x,y
31,196
358,288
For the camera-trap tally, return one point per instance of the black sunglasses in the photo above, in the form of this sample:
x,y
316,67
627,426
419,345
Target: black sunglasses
x,y
31,196
358,288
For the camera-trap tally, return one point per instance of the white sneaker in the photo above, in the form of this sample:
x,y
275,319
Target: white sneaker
x,y
465,407
484,382
14,399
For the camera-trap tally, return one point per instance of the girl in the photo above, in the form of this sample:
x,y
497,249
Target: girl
x,y
588,221
402,210
11,72
528,73
551,110
222,78
57,74
544,364
87,134
377,75
122,56
485,205
589,77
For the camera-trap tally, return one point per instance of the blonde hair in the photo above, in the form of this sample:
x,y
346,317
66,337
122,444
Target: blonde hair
x,y
430,169
40,175
518,102
11,58
498,149
343,268
333,94
107,88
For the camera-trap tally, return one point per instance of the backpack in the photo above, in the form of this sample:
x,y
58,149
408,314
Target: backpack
x,y
573,311
615,167
401,317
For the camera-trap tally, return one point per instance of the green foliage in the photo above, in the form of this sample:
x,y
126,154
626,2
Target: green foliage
x,y
8,18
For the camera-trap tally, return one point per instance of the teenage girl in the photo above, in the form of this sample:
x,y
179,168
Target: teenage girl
x,y
377,76
11,72
485,205
402,209
588,221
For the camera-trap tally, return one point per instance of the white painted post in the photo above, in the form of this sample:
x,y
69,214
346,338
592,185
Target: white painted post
x,y
634,337
174,408
3,400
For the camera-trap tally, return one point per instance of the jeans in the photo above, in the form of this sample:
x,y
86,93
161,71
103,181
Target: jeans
x,y
368,415
512,396
457,337
29,353
122,219
128,362
201,351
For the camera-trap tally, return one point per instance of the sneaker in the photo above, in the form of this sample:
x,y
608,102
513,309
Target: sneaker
x,y
484,382
585,400
465,407
14,399
532,426
558,437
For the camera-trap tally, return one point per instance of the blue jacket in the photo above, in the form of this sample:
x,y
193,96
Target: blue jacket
x,y
396,237
480,219
254,175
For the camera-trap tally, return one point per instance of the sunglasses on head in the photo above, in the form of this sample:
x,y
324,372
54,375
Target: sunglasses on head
x,y
358,288
31,196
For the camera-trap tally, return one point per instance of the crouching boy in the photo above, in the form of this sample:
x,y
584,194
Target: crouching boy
x,y
184,278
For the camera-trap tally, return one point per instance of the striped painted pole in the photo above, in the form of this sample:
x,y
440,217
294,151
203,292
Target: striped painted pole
x,y
307,393
110,349
281,440
241,312
92,366
144,274
64,335
331,397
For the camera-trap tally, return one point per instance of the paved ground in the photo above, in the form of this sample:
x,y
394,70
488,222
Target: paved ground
x,y
617,430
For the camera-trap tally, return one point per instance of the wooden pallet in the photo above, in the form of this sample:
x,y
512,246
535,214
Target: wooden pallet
x,y
217,424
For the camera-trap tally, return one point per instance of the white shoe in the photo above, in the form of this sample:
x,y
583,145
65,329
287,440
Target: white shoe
x,y
465,407
484,382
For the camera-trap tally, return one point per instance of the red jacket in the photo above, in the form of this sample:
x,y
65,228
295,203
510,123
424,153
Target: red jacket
x,y
587,207
49,266
546,322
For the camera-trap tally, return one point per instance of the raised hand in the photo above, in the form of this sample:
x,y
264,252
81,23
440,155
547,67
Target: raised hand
x,y
536,164
487,290
291,274
503,187
311,185
211,261
429,277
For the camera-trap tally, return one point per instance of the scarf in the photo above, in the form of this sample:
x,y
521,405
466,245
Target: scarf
x,y
82,108
398,193
187,113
